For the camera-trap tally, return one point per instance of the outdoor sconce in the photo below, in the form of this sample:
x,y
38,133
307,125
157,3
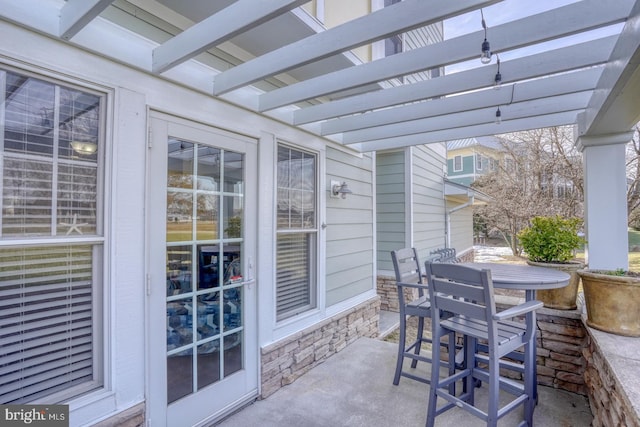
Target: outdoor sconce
x,y
339,190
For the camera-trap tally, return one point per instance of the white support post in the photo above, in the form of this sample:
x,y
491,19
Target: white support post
x,y
605,200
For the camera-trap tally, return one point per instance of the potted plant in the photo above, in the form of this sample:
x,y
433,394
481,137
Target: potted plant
x,y
612,298
551,242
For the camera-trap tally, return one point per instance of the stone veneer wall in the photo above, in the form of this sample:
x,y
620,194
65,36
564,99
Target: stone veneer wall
x,y
612,379
286,360
561,338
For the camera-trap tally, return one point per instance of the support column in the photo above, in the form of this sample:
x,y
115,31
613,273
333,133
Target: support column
x,y
605,200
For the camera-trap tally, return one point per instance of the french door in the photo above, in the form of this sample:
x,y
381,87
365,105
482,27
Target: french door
x,y
202,301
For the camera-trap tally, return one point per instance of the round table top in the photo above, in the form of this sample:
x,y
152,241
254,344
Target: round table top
x,y
525,277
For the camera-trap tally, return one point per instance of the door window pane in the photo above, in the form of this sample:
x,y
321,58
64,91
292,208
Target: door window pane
x,y
200,320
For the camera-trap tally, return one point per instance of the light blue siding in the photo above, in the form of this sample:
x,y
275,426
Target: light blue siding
x,y
390,200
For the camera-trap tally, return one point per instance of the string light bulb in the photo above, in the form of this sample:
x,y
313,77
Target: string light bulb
x,y
485,56
497,81
498,116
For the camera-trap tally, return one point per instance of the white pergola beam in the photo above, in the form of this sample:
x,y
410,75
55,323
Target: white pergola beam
x,y
541,88
614,107
560,22
555,61
401,17
560,119
557,104
76,14
218,28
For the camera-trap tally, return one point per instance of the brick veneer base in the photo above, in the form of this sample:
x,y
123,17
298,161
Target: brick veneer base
x,y
286,360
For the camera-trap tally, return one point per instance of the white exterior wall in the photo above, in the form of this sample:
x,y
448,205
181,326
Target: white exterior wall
x,y
462,229
131,94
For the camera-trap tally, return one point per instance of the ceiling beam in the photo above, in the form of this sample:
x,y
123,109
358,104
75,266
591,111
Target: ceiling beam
x,y
542,64
560,119
563,21
218,28
540,88
401,17
76,14
614,108
518,110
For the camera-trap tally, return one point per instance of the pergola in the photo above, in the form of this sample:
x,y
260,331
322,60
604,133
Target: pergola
x,y
272,57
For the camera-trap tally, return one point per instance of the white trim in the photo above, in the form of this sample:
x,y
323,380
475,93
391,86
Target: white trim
x,y
408,191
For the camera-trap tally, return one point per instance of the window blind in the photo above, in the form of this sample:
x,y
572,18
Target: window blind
x,y
293,274
46,321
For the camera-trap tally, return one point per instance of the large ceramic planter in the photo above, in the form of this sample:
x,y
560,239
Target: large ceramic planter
x,y
561,298
613,302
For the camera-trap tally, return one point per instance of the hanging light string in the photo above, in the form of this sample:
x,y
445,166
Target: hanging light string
x,y
498,112
497,81
485,56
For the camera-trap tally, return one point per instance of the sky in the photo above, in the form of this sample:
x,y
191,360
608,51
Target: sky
x,y
509,10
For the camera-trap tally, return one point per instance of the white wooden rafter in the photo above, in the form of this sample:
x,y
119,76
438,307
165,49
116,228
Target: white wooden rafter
x,y
76,14
555,61
560,119
560,22
582,80
218,28
401,17
517,110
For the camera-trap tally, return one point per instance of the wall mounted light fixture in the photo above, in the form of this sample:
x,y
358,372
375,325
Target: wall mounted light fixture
x,y
339,190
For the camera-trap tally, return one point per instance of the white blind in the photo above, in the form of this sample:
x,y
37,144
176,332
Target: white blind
x,y
293,274
45,321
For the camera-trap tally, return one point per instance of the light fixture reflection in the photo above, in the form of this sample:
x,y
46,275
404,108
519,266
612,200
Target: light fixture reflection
x,y
84,147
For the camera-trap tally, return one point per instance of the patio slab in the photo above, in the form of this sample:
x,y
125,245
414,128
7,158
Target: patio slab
x,y
354,388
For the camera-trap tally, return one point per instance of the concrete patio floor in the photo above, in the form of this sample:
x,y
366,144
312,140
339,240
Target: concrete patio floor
x,y
354,388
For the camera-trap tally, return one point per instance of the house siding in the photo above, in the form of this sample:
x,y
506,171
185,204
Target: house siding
x,y
428,198
461,223
391,206
350,227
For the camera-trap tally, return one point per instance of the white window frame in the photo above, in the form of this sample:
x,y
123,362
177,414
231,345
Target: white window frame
x,y
457,159
478,161
316,302
97,241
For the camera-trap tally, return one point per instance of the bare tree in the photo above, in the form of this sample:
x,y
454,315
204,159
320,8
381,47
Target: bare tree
x,y
539,173
633,179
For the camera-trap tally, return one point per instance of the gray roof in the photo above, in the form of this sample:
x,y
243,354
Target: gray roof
x,y
483,141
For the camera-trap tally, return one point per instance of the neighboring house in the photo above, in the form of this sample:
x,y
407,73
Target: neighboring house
x,y
169,255
470,158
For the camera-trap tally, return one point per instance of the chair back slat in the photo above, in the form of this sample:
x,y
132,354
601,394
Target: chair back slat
x,y
460,307
406,265
461,290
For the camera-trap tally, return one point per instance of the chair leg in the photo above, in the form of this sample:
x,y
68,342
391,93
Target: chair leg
x,y
470,364
529,381
401,347
451,347
435,377
416,350
494,390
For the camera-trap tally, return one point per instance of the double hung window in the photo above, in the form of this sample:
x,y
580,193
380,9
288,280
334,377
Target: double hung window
x,y
297,232
51,240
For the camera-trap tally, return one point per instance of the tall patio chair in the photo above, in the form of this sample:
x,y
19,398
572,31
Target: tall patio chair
x,y
468,294
409,277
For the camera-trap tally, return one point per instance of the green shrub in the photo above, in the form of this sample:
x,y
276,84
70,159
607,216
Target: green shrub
x,y
551,239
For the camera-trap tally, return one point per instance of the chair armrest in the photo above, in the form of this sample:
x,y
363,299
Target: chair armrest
x,y
413,285
518,310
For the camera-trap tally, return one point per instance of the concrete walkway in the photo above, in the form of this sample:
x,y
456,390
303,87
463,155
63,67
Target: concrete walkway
x,y
354,388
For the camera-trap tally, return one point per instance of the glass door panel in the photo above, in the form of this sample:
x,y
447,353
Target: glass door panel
x,y
204,270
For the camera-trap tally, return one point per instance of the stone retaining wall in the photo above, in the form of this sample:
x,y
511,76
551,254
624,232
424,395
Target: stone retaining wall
x,y
286,360
611,376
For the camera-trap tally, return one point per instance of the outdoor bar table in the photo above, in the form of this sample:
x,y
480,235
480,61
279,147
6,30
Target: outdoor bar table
x,y
523,277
